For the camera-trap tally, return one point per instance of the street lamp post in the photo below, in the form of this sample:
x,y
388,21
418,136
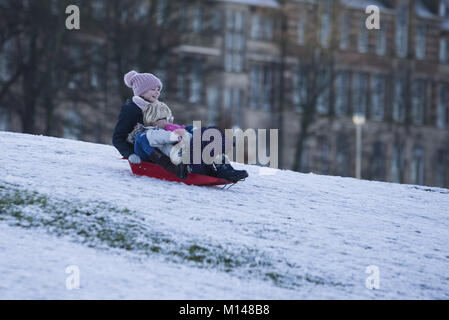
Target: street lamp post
x,y
359,121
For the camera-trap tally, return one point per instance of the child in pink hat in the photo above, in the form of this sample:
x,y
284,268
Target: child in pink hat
x,y
146,88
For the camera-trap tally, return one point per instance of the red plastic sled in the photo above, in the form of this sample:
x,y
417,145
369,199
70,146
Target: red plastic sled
x,y
155,171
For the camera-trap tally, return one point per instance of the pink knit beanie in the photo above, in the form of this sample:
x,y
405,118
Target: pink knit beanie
x,y
141,82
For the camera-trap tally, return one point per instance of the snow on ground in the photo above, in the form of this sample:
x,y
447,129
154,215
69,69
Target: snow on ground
x,y
34,268
281,236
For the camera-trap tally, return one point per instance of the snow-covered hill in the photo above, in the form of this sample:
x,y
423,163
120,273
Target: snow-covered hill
x,y
278,235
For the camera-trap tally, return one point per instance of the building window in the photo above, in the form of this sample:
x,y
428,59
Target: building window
x,y
196,82
232,104
234,41
256,27
363,38
442,106
421,42
228,99
418,101
417,166
397,164
378,162
261,28
261,86
323,100
359,96
216,20
442,8
381,40
399,101
268,29
343,157
213,105
342,93
440,169
377,97
443,50
325,26
267,84
255,86
345,29
299,89
197,19
302,23
402,31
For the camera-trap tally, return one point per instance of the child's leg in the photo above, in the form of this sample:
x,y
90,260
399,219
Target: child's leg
x,y
165,162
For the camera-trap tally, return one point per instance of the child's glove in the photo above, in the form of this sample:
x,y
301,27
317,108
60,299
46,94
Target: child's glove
x,y
134,158
173,127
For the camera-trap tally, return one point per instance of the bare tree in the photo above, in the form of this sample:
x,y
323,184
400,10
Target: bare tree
x,y
316,68
36,38
50,64
318,77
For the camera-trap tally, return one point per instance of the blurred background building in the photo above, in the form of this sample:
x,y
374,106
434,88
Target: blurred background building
x,y
303,67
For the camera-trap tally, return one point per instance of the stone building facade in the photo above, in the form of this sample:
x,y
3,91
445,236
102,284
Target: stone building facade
x,y
396,77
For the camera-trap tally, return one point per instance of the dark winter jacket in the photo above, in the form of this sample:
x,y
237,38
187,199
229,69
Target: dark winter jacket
x,y
130,115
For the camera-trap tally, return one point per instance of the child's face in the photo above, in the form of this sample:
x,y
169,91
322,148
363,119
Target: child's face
x,y
152,95
162,123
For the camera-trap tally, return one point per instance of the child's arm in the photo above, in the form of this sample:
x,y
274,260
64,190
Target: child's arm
x,y
125,124
158,138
